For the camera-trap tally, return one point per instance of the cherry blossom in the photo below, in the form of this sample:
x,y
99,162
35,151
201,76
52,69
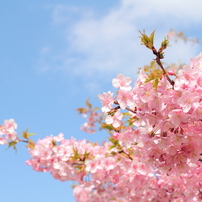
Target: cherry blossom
x,y
122,82
115,120
107,101
154,149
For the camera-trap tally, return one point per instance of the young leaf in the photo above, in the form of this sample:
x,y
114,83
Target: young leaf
x,y
30,144
12,144
76,154
164,44
88,104
81,110
26,135
155,83
107,126
96,108
147,41
151,37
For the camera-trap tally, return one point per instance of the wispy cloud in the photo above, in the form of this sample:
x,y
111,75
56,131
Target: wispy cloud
x,y
109,43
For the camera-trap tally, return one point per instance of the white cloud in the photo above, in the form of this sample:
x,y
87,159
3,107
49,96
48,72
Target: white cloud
x,y
109,43
62,14
188,11
45,50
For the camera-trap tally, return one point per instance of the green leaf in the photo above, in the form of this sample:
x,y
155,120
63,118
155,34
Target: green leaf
x,y
144,38
79,168
26,135
30,144
86,154
155,83
151,37
96,108
164,44
115,143
126,113
113,153
76,154
81,110
12,144
147,41
131,121
88,104
107,126
54,143
112,146
154,75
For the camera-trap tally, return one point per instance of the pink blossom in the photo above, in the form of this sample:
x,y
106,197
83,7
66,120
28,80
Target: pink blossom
x,y
197,112
107,101
122,82
171,34
145,92
2,141
177,117
187,100
171,72
92,118
115,120
115,135
125,98
10,125
7,131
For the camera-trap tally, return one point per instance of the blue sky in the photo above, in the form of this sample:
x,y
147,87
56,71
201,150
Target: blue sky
x,y
55,54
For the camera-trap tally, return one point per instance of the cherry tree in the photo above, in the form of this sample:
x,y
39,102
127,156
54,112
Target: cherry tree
x,y
155,137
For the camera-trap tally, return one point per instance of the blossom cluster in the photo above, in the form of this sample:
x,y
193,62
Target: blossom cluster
x,y
120,177
167,121
64,159
92,117
153,153
7,131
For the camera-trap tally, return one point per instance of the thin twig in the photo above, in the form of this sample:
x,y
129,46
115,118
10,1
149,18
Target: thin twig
x,y
159,56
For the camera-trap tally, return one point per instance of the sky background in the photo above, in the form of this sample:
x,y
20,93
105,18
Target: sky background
x,y
56,54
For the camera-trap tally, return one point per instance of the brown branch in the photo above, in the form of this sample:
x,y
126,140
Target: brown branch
x,y
127,155
20,140
133,111
159,56
158,61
